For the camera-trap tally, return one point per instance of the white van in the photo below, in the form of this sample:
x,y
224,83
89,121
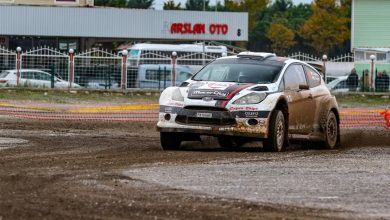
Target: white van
x,y
159,75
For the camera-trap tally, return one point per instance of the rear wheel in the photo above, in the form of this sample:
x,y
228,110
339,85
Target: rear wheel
x,y
331,131
277,132
170,141
230,142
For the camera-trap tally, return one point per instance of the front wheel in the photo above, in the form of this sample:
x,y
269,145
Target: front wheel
x,y
170,141
277,132
331,131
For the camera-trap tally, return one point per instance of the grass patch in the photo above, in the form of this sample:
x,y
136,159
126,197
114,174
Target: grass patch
x,y
363,100
75,96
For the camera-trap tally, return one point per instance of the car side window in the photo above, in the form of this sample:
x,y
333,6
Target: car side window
x,y
313,77
42,76
294,76
27,75
341,85
158,75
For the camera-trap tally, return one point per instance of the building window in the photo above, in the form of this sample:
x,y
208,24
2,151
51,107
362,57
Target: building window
x,y
359,56
365,55
65,45
66,2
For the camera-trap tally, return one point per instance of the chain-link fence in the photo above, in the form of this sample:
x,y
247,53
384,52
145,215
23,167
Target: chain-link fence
x,y
157,69
97,69
7,59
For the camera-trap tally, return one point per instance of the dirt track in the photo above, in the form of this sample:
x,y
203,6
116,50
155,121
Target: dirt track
x,y
76,171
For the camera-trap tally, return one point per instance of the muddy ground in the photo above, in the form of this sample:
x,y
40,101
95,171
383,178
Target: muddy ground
x,y
89,170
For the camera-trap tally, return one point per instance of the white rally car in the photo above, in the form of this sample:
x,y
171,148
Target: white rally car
x,y
251,96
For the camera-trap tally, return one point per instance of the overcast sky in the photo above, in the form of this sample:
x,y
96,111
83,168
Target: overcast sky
x,y
158,4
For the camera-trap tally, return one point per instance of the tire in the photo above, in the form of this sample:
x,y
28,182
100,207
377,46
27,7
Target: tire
x,y
170,141
230,142
277,132
332,130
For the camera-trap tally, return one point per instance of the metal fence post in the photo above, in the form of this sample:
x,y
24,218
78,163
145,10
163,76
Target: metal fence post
x,y
165,77
159,78
18,64
124,70
324,59
71,68
173,77
372,84
52,73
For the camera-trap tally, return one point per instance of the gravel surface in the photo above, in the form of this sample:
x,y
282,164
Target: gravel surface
x,y
97,170
353,180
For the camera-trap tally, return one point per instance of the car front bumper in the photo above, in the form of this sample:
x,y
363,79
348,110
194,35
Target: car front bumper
x,y
256,127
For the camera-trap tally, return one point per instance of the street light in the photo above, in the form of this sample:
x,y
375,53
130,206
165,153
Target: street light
x,y
18,64
324,59
173,76
372,58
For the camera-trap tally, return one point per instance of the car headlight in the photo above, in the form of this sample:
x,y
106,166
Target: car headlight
x,y
177,96
252,98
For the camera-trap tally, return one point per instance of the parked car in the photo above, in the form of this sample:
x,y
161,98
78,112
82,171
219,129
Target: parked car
x,y
251,96
102,84
32,78
159,75
338,85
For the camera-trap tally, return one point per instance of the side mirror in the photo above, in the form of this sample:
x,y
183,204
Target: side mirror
x,y
304,87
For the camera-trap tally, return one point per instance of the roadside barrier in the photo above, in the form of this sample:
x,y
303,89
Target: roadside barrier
x,y
137,112
386,115
148,112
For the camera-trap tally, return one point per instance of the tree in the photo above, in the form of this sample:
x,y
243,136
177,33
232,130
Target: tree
x,y
197,5
101,2
327,27
250,6
282,38
170,5
111,3
142,4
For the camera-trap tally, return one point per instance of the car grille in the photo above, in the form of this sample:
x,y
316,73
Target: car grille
x,y
220,117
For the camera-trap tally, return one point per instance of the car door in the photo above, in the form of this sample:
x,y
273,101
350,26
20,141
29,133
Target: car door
x,y
318,92
26,78
42,79
301,104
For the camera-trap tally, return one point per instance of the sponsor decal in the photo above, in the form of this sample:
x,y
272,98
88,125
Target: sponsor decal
x,y
207,99
251,114
241,108
178,104
223,86
200,93
199,28
204,115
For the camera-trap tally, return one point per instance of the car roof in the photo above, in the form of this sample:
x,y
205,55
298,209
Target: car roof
x,y
24,70
276,59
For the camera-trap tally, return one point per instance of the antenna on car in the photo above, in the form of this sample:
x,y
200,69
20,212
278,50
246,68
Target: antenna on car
x,y
256,55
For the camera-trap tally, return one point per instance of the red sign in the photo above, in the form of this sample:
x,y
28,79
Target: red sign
x,y
199,28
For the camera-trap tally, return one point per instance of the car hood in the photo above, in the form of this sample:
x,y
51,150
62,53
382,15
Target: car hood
x,y
215,90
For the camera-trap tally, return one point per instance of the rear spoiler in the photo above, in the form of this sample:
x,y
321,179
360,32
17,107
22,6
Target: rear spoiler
x,y
318,67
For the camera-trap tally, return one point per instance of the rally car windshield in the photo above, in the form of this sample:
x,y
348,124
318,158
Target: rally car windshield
x,y
241,72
